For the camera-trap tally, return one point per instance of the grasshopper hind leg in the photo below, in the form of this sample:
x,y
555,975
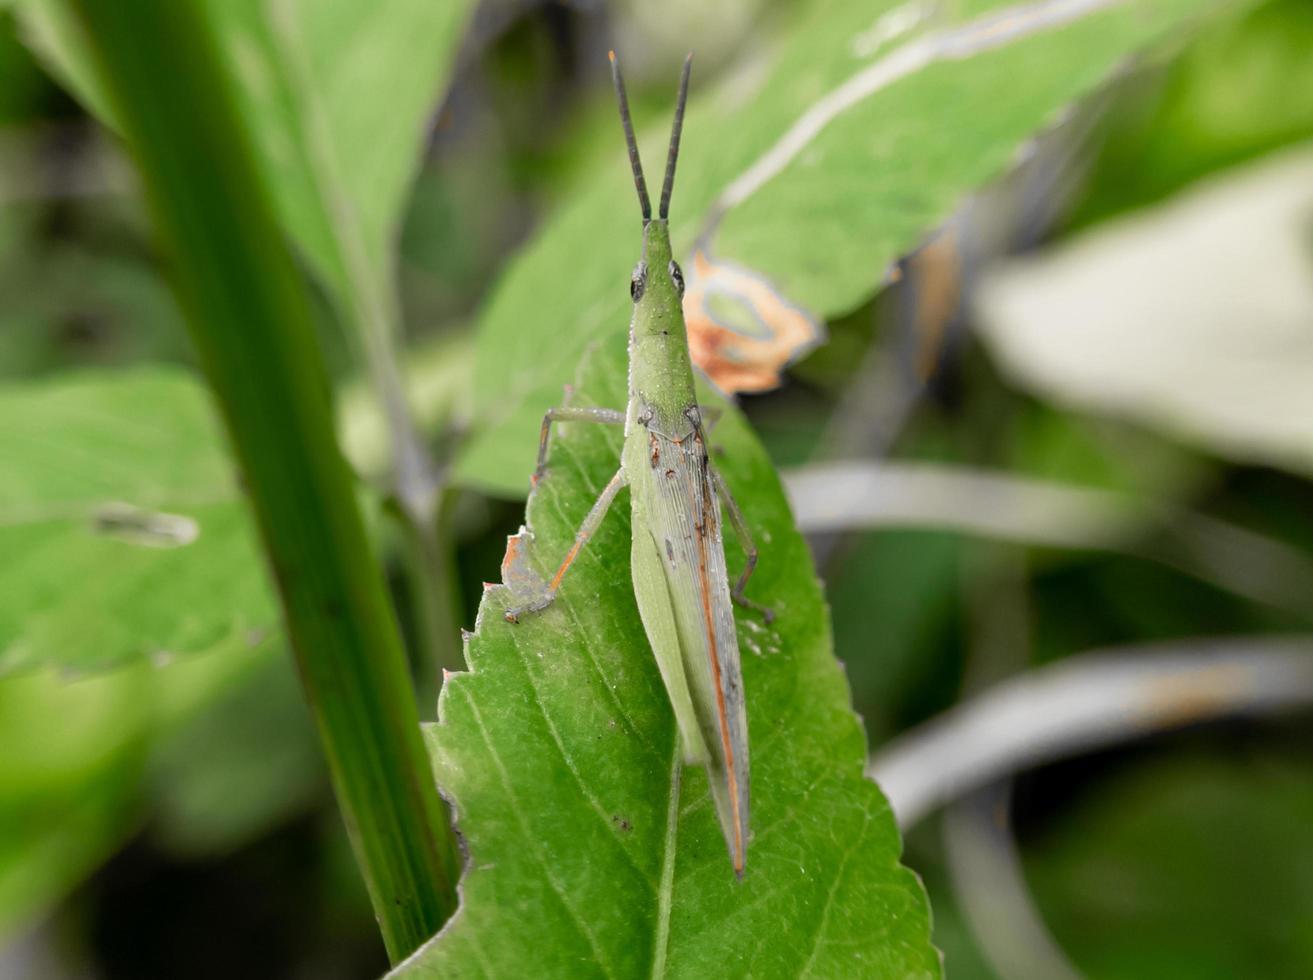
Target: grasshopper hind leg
x,y
530,593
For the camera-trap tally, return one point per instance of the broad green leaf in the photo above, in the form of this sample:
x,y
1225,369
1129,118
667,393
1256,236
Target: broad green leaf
x,y
88,458
1191,316
124,533
588,855
914,107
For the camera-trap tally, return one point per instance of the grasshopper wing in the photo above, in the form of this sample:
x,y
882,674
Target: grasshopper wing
x,y
657,609
677,512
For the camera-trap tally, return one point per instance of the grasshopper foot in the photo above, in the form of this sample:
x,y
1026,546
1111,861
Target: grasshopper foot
x,y
765,612
537,604
529,592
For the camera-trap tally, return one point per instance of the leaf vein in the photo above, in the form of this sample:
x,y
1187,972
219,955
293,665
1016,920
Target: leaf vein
x,y
858,839
593,802
535,847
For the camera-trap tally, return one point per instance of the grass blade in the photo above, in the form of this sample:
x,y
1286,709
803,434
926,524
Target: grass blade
x,y
249,316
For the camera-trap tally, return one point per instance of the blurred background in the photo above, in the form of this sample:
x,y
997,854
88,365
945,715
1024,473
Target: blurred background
x,y
1054,464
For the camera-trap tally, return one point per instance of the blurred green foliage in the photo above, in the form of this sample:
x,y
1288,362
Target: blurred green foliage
x,y
1221,101
1138,879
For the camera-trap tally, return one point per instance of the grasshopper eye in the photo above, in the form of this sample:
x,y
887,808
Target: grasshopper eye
x,y
638,282
677,274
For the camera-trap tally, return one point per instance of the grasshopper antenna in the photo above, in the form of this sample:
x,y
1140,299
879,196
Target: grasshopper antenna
x,y
639,183
678,127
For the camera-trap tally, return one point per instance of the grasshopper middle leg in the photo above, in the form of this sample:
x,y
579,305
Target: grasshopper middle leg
x,y
749,547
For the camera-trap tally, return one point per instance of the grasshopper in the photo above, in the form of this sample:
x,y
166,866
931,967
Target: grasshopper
x,y
678,554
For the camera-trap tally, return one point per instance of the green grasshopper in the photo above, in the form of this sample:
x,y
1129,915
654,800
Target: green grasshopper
x,y
678,555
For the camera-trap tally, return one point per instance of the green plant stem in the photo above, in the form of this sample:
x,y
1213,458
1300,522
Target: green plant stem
x,y
249,316
369,303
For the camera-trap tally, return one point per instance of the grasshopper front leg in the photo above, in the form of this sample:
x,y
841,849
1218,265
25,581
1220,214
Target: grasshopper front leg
x,y
710,417
570,413
546,591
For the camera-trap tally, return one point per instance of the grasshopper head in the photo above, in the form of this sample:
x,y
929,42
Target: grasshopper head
x,y
657,271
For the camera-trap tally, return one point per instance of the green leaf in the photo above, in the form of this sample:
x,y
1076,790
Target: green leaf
x,y
586,857
950,98
124,532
